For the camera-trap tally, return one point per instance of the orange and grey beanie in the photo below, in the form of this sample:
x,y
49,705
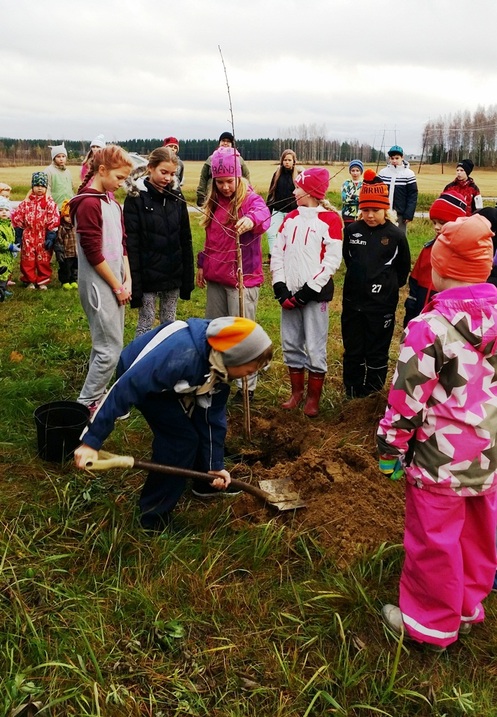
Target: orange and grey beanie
x,y
463,250
373,193
239,340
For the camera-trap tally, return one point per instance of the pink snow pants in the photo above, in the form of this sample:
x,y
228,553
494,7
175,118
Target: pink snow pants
x,y
450,562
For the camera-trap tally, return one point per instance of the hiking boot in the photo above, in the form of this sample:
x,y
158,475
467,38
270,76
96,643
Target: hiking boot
x,y
31,287
465,628
43,287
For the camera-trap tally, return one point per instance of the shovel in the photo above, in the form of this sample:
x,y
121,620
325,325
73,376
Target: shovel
x,y
279,493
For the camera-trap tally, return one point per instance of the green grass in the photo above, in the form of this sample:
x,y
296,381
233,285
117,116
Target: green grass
x,y
222,616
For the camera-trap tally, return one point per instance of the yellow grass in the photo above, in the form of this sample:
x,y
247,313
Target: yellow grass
x,y
430,179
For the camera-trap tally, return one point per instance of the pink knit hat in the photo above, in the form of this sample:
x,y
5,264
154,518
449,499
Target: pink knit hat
x,y
225,162
314,182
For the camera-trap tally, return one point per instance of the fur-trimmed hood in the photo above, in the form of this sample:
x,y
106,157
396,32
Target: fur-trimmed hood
x,y
135,183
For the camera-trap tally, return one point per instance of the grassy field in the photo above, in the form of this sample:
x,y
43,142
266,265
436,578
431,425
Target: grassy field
x,y
430,180
222,617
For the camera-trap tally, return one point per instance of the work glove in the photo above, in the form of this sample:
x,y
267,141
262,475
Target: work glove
x,y
281,291
50,237
306,294
14,249
391,466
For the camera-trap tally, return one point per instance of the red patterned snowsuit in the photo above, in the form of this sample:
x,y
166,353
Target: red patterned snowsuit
x,y
36,215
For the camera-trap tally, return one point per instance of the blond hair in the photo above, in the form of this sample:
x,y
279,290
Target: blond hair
x,y
212,202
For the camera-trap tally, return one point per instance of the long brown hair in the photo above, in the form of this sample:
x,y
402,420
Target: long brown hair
x,y
277,174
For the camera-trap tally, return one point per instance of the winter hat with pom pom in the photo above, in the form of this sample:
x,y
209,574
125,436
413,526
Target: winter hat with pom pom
x,y
374,192
239,340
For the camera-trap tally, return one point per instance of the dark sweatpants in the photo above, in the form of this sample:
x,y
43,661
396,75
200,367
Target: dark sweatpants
x,y
366,340
176,443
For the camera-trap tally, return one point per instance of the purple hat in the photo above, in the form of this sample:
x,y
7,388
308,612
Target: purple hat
x,y
226,163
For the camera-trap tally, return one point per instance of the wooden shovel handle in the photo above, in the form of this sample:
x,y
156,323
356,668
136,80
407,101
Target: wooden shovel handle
x,y
106,461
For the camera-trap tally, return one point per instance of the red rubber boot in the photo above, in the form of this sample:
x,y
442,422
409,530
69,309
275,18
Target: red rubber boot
x,y
314,390
297,378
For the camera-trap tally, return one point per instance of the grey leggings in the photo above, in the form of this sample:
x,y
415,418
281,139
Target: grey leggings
x,y
168,301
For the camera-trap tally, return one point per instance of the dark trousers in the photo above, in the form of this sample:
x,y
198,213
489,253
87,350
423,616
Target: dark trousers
x,y
176,443
366,337
68,270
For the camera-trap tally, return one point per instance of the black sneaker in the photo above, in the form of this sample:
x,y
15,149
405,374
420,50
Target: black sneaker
x,y
238,396
206,492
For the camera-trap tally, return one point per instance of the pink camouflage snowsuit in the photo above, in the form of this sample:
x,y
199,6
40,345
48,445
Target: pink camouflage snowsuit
x,y
442,408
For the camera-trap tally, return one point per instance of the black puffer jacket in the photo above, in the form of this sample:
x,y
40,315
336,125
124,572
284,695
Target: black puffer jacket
x,y
159,242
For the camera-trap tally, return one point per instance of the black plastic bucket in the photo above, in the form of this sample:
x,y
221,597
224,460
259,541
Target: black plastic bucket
x,y
58,427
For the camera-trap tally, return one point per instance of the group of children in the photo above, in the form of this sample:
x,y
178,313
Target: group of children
x,y
439,425
42,226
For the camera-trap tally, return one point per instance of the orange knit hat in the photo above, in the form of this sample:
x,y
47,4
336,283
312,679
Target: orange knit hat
x,y
463,250
238,339
373,193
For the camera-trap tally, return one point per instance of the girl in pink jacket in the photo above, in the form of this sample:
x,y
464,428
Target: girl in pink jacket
x,y
235,218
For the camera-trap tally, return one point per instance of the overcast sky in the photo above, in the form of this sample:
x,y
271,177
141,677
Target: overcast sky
x,y
371,71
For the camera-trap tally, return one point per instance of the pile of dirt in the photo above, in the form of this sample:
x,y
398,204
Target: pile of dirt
x,y
351,507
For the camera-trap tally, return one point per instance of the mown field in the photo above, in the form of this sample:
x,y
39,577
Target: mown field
x,y
430,179
226,615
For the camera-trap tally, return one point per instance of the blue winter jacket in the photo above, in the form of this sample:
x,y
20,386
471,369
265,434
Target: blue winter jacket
x,y
173,360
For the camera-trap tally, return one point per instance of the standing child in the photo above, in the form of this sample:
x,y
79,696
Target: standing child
x,y
173,144
280,197
5,190
232,210
403,188
36,216
60,187
65,250
97,143
104,276
442,411
447,208
350,192
377,260
465,185
159,241
8,247
59,176
306,254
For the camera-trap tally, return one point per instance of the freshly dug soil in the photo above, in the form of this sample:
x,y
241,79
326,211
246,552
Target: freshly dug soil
x,y
351,507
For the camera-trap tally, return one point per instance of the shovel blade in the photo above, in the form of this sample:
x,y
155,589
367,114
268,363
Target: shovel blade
x,y
283,493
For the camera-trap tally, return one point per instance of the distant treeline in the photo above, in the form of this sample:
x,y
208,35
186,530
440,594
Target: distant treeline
x,y
317,149
463,135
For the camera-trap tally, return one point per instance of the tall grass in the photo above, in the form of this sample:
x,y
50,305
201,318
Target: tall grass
x,y
219,616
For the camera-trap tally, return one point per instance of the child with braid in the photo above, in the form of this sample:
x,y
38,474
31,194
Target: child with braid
x,y
232,209
104,280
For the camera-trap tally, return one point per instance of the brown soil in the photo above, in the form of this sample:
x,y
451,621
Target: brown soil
x,y
351,507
